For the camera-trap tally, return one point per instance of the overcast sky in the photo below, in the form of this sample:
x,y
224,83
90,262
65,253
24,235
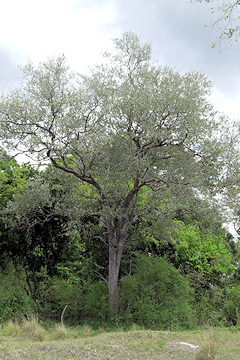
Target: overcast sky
x,y
82,30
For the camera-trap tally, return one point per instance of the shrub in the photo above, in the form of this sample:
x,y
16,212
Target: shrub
x,y
95,302
15,304
88,303
157,296
54,294
208,312
232,305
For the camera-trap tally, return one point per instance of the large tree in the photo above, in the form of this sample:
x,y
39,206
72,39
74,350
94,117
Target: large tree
x,y
127,125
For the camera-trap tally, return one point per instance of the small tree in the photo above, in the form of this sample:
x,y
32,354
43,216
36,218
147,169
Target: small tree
x,y
128,125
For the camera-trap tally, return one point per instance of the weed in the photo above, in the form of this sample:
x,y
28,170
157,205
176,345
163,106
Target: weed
x,y
208,348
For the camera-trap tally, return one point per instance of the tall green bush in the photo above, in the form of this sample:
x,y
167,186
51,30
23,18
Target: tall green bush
x,y
157,296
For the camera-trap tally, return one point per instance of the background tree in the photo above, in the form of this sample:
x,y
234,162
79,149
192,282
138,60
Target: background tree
x,y
13,177
128,125
13,180
203,251
227,23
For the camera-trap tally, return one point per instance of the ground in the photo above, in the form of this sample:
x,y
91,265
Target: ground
x,y
224,344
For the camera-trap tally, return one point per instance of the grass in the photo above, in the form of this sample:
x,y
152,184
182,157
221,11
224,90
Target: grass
x,y
31,341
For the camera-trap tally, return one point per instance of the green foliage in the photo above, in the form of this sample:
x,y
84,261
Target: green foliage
x,y
14,301
14,305
84,303
232,304
13,181
73,265
54,294
157,296
38,235
209,305
13,178
95,302
205,258
202,251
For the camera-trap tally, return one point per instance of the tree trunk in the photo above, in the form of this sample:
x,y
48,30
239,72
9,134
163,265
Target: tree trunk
x,y
113,278
116,240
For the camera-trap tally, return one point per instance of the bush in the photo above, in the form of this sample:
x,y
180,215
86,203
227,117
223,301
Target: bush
x,y
54,294
84,303
232,305
209,304
96,302
157,296
15,304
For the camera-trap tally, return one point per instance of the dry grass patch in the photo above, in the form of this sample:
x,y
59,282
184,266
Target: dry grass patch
x,y
32,330
59,332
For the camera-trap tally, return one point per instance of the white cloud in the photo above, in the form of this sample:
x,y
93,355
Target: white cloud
x,y
225,104
45,28
83,29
